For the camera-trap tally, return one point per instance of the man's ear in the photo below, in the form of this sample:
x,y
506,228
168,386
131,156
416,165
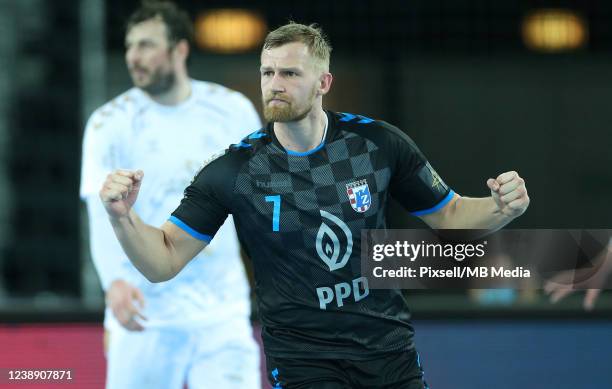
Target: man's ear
x,y
325,82
181,49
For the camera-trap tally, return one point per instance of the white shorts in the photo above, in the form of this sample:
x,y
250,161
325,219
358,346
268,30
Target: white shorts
x,y
224,356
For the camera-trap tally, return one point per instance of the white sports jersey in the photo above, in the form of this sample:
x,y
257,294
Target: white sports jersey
x,y
169,143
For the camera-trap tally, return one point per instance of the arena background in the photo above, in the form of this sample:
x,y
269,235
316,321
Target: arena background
x,y
461,78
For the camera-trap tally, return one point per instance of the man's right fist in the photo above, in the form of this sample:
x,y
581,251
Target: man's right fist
x,y
120,190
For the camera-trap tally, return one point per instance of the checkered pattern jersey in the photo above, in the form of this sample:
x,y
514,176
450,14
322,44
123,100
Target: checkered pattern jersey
x,y
292,210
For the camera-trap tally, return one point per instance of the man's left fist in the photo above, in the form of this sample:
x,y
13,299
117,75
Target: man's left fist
x,y
510,194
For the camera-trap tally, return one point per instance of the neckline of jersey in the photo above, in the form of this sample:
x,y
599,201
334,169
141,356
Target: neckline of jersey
x,y
305,153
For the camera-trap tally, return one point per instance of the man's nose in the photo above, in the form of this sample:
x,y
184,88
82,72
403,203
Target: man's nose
x,y
277,84
131,57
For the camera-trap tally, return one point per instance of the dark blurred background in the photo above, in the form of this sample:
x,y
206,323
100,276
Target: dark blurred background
x,y
469,81
481,86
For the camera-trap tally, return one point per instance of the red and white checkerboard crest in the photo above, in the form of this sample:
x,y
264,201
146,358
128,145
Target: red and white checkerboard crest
x,y
359,195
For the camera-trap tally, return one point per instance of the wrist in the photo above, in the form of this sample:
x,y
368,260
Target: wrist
x,y
121,220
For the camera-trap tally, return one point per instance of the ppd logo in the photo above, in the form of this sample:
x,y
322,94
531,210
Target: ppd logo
x,y
328,244
357,289
329,249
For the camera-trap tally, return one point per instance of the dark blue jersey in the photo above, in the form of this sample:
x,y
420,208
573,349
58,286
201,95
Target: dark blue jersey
x,y
299,217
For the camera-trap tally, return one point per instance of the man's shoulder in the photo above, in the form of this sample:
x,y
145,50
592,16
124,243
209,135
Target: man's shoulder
x,y
119,109
230,106
223,167
214,92
366,127
237,154
253,143
241,151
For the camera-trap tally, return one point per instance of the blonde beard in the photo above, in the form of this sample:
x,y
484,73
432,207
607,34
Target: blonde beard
x,y
284,114
287,113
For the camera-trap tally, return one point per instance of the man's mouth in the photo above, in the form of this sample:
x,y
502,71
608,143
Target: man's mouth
x,y
139,72
276,100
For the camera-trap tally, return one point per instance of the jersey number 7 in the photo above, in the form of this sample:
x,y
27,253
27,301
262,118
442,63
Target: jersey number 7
x,y
276,200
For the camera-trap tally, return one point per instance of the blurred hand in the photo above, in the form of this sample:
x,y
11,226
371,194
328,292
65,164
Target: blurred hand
x,y
510,194
120,190
121,298
592,280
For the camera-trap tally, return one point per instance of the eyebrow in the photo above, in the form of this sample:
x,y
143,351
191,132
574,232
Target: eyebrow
x,y
290,69
142,40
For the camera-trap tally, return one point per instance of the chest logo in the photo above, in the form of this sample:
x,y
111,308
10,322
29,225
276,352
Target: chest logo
x,y
329,245
359,195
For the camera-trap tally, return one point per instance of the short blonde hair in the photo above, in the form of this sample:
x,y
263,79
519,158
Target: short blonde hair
x,y
312,36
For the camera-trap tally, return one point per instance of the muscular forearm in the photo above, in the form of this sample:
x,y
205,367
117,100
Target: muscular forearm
x,y
509,199
474,213
146,246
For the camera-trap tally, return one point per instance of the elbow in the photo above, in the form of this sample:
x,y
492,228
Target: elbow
x,y
164,268
156,277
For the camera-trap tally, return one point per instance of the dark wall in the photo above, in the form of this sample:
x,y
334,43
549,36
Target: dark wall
x,y
454,75
546,117
44,156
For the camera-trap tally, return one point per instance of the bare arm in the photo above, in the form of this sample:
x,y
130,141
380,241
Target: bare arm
x,y
158,253
509,199
468,213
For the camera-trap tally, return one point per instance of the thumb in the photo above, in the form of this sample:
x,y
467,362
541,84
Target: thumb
x,y
136,182
138,296
493,184
138,176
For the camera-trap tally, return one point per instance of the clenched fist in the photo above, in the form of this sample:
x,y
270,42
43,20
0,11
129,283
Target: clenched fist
x,y
120,190
510,194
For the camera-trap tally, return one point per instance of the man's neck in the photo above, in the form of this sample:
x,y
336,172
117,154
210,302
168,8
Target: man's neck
x,y
180,91
304,135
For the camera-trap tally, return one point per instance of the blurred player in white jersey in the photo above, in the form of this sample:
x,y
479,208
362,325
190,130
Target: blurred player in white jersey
x,y
194,329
